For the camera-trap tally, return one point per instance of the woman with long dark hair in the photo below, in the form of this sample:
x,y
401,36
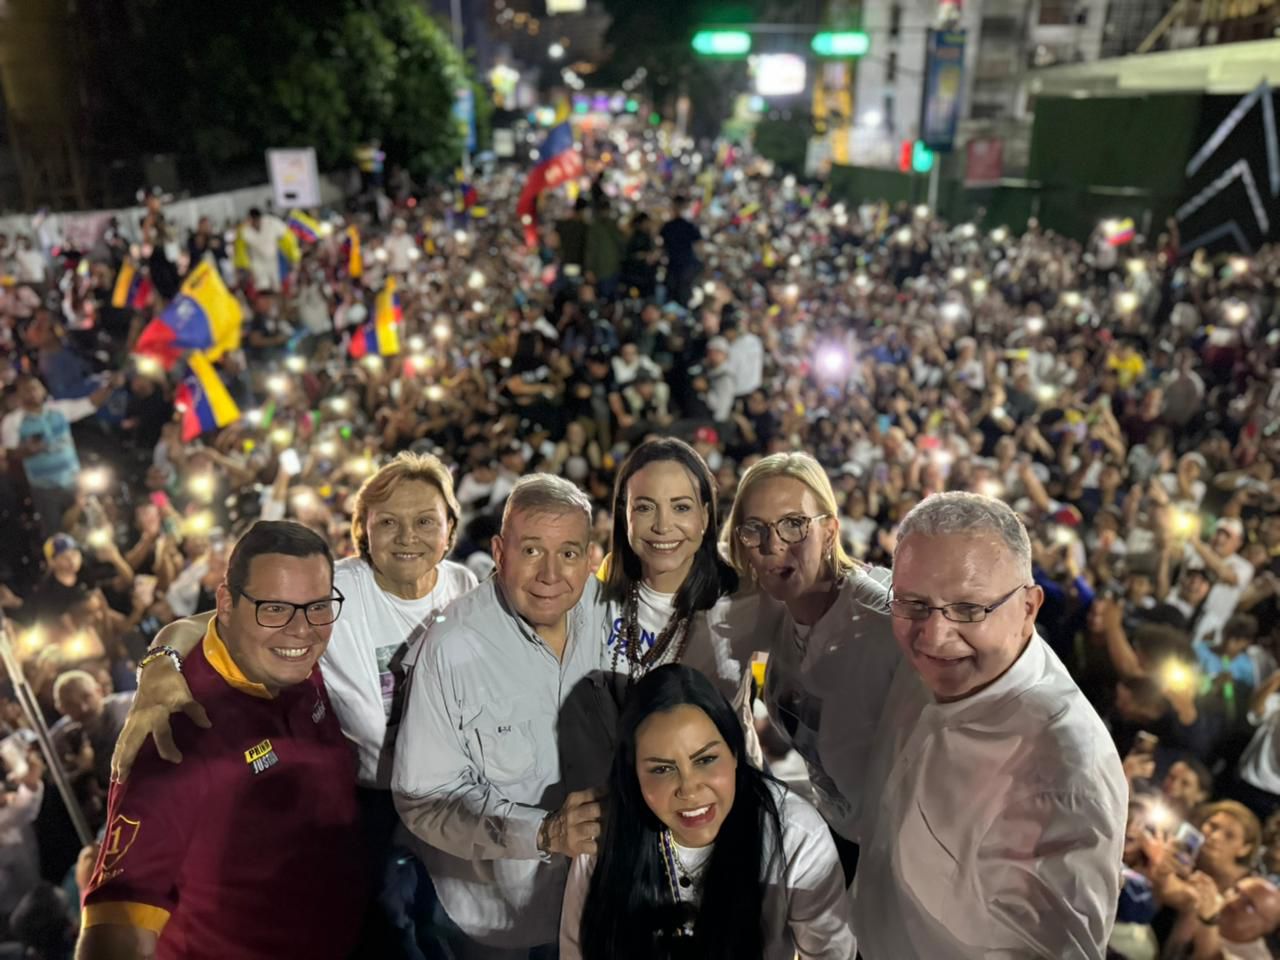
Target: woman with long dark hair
x,y
703,855
665,571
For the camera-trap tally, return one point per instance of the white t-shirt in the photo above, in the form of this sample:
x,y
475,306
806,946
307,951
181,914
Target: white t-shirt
x,y
362,664
1223,597
1260,763
806,908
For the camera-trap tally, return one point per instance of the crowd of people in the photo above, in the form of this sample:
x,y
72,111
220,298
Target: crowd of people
x,y
1121,398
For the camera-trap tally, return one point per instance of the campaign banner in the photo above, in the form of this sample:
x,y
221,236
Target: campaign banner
x,y
943,89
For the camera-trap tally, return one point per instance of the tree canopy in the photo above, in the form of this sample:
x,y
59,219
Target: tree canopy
x,y
218,84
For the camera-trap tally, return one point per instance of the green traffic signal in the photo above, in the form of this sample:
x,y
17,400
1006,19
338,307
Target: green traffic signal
x,y
722,43
922,158
847,43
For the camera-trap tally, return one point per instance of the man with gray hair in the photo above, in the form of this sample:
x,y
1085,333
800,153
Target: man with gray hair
x,y
999,800
502,738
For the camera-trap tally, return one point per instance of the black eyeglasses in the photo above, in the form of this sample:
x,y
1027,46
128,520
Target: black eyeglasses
x,y
280,613
790,529
955,612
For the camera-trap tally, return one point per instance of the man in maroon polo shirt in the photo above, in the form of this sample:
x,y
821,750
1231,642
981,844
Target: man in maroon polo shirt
x,y
251,848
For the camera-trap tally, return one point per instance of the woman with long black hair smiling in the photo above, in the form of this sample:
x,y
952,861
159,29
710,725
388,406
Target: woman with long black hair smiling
x,y
702,855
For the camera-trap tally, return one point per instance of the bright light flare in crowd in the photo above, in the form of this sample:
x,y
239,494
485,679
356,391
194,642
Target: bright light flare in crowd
x,y
958,274
198,524
99,538
281,436
441,331
478,306
1236,312
77,646
340,405
327,449
304,499
435,393
253,417
380,255
1161,817
1177,676
361,466
417,344
1184,523
475,280
951,310
922,211
1071,299
831,361
861,281
979,288
1046,393
295,364
95,479
1064,536
902,237
1136,266
1035,325
991,488
31,642
1126,302
1238,265
201,486
461,236
148,367
709,288
968,230
1000,234
373,362
943,458
278,383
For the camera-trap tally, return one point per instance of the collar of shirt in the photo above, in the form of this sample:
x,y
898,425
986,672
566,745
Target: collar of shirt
x,y
219,657
1016,681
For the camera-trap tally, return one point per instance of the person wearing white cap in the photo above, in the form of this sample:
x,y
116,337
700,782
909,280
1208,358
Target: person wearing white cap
x,y
1221,556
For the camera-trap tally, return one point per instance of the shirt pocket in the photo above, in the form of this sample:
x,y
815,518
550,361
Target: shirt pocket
x,y
508,747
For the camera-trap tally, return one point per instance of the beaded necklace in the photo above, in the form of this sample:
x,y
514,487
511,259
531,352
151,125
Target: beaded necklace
x,y
675,632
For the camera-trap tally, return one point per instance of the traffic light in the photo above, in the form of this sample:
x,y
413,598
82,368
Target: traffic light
x,y
914,156
922,158
722,43
845,43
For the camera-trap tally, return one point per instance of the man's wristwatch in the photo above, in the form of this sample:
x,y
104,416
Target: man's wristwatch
x,y
158,653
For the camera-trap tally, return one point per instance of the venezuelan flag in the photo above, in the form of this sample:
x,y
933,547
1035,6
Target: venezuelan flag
x,y
387,310
558,163
381,337
304,226
203,316
288,253
240,251
1119,232
355,261
127,281
203,399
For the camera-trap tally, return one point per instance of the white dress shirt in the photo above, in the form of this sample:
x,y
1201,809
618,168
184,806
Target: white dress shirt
x,y
496,732
362,663
825,688
746,359
1260,763
806,908
997,823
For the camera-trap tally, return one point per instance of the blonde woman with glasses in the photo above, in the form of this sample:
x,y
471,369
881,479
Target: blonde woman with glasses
x,y
827,619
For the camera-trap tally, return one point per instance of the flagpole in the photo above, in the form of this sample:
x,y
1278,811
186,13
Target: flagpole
x,y
26,698
455,16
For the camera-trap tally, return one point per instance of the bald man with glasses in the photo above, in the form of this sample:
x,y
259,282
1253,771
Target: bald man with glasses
x,y
996,802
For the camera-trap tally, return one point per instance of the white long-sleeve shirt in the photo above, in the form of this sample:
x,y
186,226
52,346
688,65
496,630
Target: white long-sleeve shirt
x,y
1260,764
360,664
496,732
998,822
806,908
